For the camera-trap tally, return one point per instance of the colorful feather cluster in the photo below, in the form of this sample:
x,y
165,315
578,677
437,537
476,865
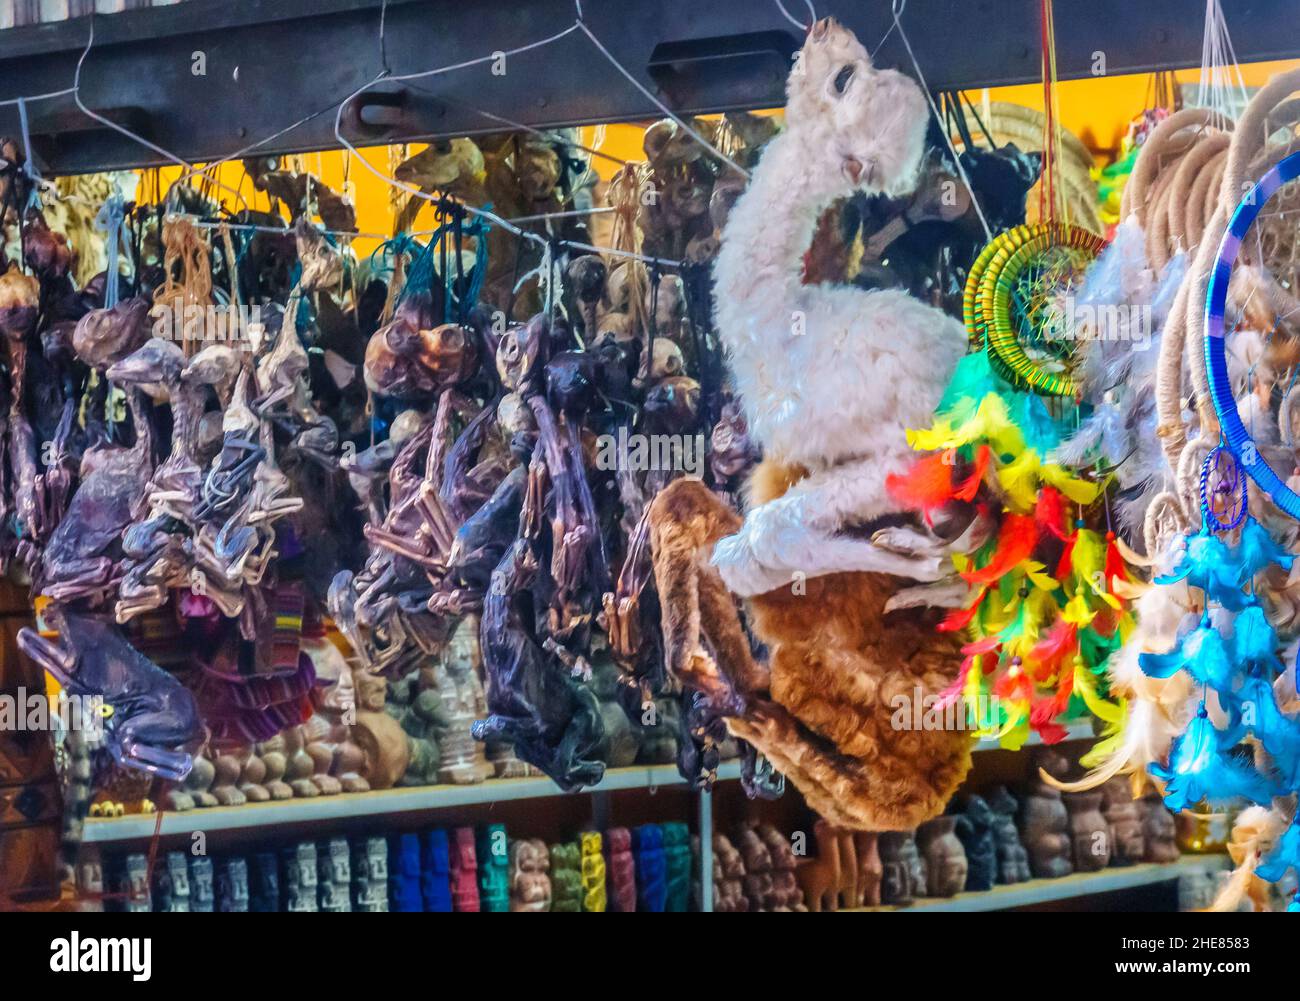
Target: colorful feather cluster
x,y
1048,602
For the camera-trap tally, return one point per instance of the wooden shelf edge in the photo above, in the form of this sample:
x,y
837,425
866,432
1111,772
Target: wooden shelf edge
x,y
379,803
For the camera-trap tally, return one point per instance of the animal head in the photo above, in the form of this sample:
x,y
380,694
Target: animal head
x,y
861,128
155,368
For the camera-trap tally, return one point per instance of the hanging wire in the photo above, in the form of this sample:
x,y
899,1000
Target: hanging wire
x,y
897,11
794,20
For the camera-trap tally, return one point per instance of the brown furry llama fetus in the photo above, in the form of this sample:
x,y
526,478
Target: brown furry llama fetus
x,y
820,551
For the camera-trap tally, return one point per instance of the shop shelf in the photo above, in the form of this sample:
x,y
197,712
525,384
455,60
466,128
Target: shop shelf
x,y
1041,891
379,803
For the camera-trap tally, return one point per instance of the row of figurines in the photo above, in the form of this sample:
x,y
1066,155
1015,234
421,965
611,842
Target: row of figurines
x,y
647,868
984,840
373,733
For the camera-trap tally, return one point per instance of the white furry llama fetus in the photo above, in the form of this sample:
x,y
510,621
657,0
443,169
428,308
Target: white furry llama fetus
x,y
829,376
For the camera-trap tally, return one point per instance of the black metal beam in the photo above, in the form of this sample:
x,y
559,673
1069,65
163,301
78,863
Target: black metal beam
x,y
270,63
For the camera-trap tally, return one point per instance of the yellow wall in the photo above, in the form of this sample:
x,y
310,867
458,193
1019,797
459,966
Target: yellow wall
x,y
1098,110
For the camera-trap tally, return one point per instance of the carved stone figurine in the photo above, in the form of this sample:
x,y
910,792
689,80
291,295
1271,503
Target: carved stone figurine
x,y
1044,822
334,876
455,674
903,876
530,884
299,877
594,897
171,884
975,830
369,875
728,877
1159,830
232,885
820,877
494,869
759,887
786,895
870,869
464,870
620,870
566,877
1127,845
945,857
203,894
1013,860
1089,831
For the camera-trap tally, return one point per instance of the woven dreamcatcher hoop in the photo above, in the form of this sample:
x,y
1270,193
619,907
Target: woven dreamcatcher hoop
x,y
1236,438
1008,299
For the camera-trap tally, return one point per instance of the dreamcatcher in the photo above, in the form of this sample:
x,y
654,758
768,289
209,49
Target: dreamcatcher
x,y
1049,590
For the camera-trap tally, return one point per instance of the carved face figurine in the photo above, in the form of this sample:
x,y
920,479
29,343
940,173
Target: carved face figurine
x,y
1044,823
902,868
945,858
232,885
1125,819
1089,832
1013,860
1158,829
975,830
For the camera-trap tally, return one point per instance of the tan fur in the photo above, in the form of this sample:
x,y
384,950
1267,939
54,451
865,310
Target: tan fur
x,y
835,666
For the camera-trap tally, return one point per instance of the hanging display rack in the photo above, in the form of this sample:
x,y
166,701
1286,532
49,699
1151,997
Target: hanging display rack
x,y
206,78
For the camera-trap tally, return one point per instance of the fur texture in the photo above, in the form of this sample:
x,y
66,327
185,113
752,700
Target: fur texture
x,y
823,712
829,376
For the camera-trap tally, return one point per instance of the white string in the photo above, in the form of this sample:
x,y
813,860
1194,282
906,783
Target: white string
x,y
76,96
943,128
659,104
1217,90
794,20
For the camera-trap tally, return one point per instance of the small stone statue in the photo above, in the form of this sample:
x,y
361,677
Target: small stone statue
x,y
203,895
1045,823
134,884
566,877
945,858
464,871
1127,845
171,884
759,887
1013,860
786,894
728,877
651,868
232,886
1089,831
455,674
620,870
404,876
334,876
975,830
902,868
300,877
435,872
1159,830
264,887
530,884
870,869
369,875
592,860
494,869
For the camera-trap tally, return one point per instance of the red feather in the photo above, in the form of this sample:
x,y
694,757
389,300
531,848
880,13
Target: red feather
x,y
1049,653
927,485
1016,539
969,487
1116,568
1063,567
950,694
1050,511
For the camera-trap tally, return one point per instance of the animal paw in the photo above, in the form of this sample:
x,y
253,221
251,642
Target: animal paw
x,y
741,571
